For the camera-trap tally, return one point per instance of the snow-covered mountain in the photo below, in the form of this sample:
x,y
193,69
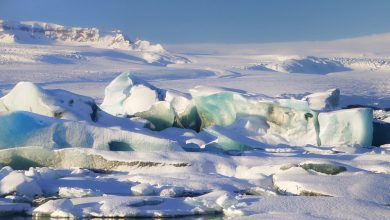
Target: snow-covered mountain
x,y
42,33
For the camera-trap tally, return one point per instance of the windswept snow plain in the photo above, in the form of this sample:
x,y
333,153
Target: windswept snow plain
x,y
95,125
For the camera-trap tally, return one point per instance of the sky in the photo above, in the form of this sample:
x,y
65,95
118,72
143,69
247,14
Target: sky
x,y
212,21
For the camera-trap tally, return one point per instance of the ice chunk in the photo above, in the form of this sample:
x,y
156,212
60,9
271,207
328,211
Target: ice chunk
x,y
127,95
346,127
27,129
321,101
27,96
185,110
273,122
18,182
143,189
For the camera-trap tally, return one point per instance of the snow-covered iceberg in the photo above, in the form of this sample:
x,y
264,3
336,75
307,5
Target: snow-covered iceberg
x,y
128,95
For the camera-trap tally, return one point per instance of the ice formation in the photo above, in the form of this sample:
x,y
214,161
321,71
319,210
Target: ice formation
x,y
237,121
28,129
127,96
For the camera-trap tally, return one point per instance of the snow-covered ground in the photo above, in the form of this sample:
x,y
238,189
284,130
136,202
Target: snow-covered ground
x,y
207,130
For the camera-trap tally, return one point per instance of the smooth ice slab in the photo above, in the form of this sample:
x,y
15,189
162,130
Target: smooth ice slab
x,y
346,127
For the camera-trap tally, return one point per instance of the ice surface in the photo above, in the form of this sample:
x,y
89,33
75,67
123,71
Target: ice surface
x,y
219,183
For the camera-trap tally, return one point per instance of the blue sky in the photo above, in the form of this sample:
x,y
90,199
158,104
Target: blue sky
x,y
210,21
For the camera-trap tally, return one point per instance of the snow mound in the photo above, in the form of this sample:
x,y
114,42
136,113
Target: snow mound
x,y
27,96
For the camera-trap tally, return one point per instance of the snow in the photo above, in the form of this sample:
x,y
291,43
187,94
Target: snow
x,y
328,100
241,131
